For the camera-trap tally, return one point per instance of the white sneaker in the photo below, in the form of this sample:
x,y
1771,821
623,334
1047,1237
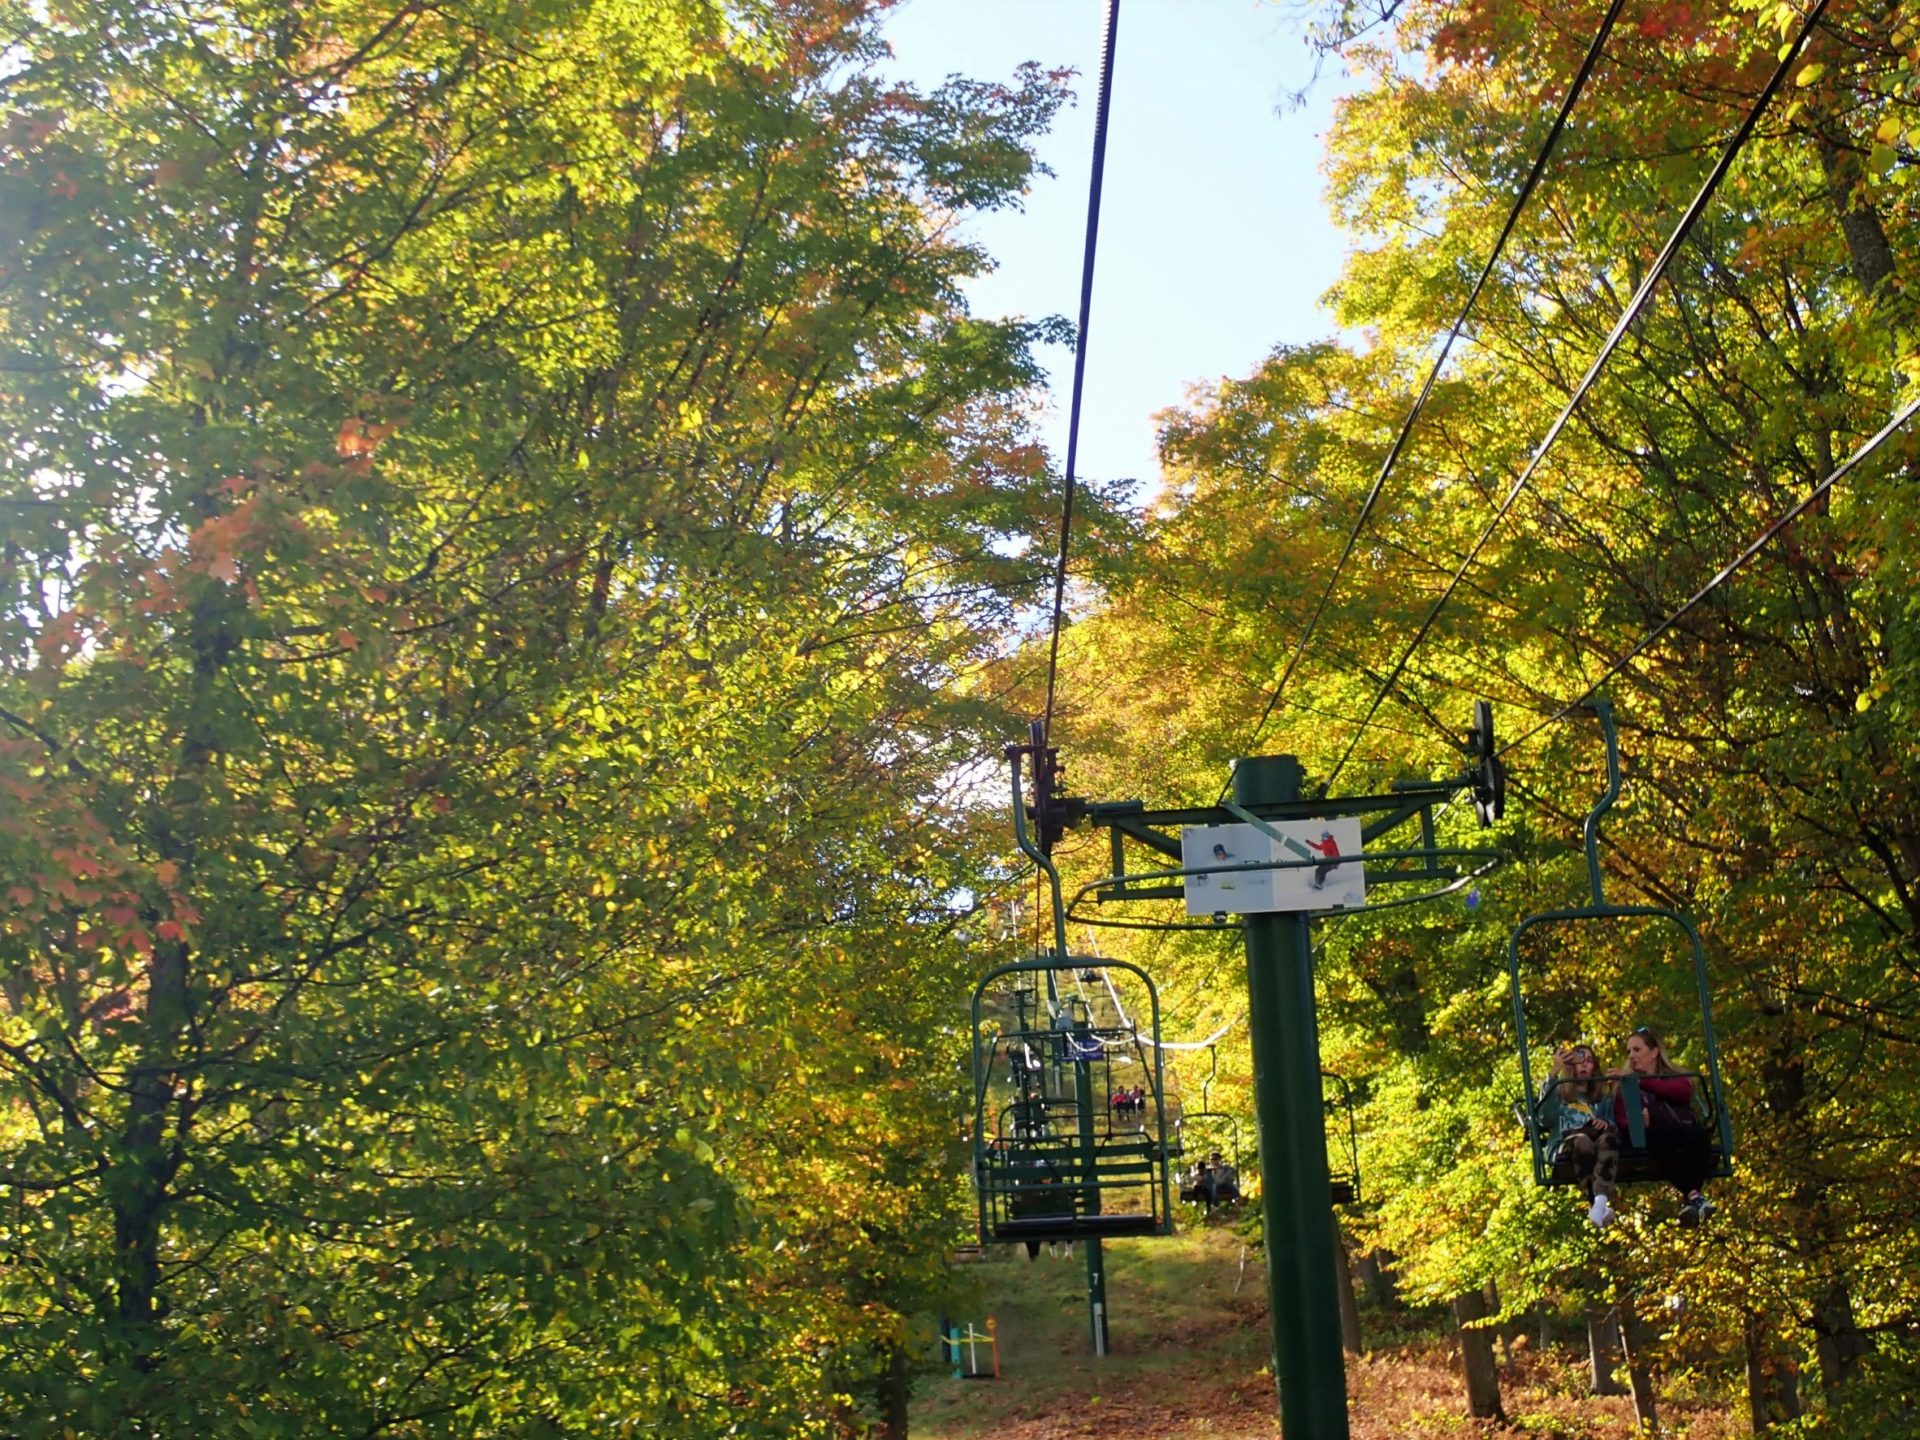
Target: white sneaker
x,y
1600,1212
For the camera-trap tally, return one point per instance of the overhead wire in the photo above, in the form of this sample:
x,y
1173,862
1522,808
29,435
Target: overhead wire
x,y
1109,35
1126,1021
1527,187
1726,572
1121,1011
1789,55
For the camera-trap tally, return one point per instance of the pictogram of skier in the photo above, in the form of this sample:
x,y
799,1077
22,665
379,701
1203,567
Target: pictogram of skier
x,y
1329,848
1221,855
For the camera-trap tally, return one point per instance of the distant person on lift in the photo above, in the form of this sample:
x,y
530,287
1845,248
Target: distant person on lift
x,y
1329,850
1219,1181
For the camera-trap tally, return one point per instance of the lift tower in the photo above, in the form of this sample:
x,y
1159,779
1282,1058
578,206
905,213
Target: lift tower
x,y
1278,858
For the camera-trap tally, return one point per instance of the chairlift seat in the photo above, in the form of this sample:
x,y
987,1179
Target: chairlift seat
x,y
1053,1159
1637,1164
1073,1227
1637,1167
1708,1095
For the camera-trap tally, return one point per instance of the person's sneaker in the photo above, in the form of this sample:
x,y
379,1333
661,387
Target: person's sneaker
x,y
1695,1208
1600,1212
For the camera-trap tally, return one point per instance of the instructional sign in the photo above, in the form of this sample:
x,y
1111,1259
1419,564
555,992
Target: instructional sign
x,y
1325,871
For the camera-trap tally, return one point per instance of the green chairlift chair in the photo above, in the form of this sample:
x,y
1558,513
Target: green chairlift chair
x,y
1343,1151
1048,1162
1709,1099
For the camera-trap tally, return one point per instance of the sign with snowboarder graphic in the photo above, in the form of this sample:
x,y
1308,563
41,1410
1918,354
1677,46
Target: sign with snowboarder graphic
x,y
1325,869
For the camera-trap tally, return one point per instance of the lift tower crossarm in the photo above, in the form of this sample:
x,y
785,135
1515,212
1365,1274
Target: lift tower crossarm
x,y
1158,830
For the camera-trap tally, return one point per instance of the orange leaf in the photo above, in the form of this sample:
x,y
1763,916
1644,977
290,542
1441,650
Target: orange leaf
x,y
354,438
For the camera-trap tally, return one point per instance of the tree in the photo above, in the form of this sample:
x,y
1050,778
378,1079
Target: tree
x,y
503,503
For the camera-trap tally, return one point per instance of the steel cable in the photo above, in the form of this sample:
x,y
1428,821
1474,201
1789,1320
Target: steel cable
x,y
1108,38
1538,168
1634,307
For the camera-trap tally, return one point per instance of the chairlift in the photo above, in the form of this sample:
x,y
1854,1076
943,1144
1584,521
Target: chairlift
x,y
1343,1155
1225,1125
1049,1161
1709,1100
1204,1132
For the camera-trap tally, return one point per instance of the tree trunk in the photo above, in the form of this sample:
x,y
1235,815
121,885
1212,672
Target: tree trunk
x,y
1476,1357
1867,246
1837,1339
895,1389
1634,1338
1502,1333
1838,1343
140,1201
1773,1389
1376,1275
1603,1352
1349,1306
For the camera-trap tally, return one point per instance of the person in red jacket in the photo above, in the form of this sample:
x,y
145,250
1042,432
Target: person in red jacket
x,y
1676,1140
1329,850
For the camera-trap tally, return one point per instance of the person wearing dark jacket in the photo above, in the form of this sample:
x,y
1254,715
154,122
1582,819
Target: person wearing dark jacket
x,y
1676,1140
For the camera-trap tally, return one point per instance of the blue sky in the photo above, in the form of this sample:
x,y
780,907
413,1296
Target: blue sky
x,y
1215,244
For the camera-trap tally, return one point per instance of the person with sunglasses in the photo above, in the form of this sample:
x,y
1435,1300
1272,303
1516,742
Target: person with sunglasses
x,y
1677,1142
1569,1111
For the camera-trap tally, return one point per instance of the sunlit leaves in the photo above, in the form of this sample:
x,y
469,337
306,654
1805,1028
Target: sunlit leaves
x,y
498,495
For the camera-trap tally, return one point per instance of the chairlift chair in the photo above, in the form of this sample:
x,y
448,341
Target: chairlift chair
x,y
1343,1152
1709,1100
1202,1132
1048,1161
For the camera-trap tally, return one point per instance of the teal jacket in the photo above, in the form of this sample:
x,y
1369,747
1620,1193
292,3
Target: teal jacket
x,y
1559,1111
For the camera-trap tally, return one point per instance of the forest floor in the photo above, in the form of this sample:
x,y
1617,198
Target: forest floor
x,y
1188,1359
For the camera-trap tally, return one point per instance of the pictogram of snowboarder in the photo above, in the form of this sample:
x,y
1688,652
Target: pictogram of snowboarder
x,y
1329,848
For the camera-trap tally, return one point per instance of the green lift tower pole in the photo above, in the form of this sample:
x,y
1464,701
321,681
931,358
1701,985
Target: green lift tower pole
x,y
1296,1190
1069,1039
1303,1267
1096,1259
